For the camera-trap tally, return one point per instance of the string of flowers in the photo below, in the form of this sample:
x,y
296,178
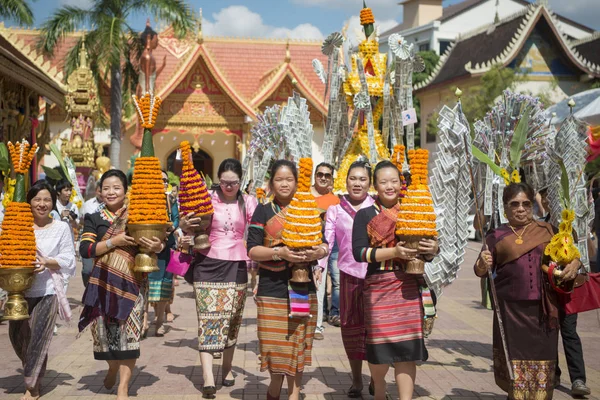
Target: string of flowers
x,y
260,195
147,108
17,240
416,217
193,193
147,202
302,226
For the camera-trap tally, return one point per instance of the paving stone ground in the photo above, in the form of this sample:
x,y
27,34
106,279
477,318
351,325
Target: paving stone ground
x,y
459,365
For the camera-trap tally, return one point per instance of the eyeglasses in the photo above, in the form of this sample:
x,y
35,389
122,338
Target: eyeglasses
x,y
229,183
513,205
322,175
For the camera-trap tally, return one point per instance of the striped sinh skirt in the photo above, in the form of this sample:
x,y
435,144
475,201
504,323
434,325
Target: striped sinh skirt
x,y
160,284
533,351
393,318
120,340
352,316
31,338
220,291
285,343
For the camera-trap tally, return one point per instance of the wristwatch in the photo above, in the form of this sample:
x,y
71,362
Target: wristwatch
x,y
275,256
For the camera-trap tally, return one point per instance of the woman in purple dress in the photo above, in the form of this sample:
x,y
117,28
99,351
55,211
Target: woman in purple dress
x,y
528,306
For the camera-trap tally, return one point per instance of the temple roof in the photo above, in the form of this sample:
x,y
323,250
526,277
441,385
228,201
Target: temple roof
x,y
476,52
247,69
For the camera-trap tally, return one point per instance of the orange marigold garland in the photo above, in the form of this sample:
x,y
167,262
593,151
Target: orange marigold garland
x,y
417,216
147,203
302,226
17,240
260,195
147,108
366,16
193,193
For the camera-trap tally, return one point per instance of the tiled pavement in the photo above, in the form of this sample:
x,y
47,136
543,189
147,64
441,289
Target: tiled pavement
x,y
169,368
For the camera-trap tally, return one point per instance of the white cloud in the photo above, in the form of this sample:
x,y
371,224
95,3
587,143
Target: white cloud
x,y
239,21
355,31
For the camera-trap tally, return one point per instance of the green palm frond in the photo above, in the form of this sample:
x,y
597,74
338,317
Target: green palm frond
x,y
177,13
63,22
16,10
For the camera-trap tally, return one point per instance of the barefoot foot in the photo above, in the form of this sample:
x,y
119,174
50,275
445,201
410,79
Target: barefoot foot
x,y
110,379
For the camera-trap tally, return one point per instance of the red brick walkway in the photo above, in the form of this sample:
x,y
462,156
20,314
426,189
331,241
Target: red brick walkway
x,y
459,365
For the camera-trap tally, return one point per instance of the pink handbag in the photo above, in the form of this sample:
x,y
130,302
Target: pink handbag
x,y
179,263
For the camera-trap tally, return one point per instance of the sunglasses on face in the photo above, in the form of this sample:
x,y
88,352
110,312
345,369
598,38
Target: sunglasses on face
x,y
513,205
323,175
229,183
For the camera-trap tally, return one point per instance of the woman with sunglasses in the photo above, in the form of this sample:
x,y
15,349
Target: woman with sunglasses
x,y
514,251
219,274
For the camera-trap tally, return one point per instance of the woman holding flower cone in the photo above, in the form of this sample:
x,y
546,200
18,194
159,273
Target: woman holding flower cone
x,y
115,297
220,275
285,342
46,298
527,304
392,301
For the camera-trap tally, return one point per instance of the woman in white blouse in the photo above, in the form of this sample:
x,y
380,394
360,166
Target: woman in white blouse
x,y
46,298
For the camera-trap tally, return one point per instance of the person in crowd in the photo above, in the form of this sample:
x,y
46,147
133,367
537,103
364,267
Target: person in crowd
x,y
46,299
115,297
391,298
529,311
91,206
285,342
220,272
67,211
160,291
325,199
338,229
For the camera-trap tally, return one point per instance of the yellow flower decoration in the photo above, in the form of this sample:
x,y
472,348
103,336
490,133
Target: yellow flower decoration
x,y
515,176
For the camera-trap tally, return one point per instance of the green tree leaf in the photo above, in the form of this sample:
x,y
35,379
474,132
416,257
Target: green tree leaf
x,y
52,173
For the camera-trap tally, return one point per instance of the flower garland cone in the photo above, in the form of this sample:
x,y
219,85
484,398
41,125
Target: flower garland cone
x,y
416,218
302,226
17,240
194,197
147,201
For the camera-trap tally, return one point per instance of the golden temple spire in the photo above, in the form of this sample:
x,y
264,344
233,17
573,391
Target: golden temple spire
x,y
83,54
199,37
288,55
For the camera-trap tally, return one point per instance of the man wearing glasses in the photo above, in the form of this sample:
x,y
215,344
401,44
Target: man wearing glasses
x,y
325,199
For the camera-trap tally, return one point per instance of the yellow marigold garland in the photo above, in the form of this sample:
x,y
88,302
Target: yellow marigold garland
x,y
562,249
302,226
193,193
9,190
417,216
147,202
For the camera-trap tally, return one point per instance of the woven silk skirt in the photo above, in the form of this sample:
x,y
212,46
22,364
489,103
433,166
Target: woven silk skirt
x,y
532,349
352,316
393,318
285,343
160,284
220,291
120,340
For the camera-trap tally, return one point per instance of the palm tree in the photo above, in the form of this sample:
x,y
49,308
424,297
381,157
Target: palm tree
x,y
113,45
16,10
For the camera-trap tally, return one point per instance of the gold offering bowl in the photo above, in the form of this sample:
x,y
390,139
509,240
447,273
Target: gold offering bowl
x,y
146,260
201,241
416,266
15,281
300,273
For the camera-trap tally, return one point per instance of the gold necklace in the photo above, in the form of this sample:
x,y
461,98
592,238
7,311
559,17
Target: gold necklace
x,y
519,239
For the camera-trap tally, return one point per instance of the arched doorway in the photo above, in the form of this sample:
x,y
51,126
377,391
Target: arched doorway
x,y
202,162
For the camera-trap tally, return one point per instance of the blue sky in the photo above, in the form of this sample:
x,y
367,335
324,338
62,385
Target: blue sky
x,y
305,19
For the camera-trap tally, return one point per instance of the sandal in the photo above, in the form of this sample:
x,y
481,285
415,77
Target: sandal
x,y
334,320
170,317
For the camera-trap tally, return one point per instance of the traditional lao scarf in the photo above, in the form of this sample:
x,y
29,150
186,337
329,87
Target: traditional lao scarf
x,y
299,301
382,228
273,229
64,309
113,288
346,206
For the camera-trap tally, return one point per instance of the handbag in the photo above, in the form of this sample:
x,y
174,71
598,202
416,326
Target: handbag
x,y
179,263
584,297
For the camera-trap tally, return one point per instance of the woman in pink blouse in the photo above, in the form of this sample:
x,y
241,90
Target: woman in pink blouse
x,y
219,274
338,228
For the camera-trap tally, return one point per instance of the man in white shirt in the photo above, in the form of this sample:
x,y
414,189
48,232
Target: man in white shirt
x,y
94,204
